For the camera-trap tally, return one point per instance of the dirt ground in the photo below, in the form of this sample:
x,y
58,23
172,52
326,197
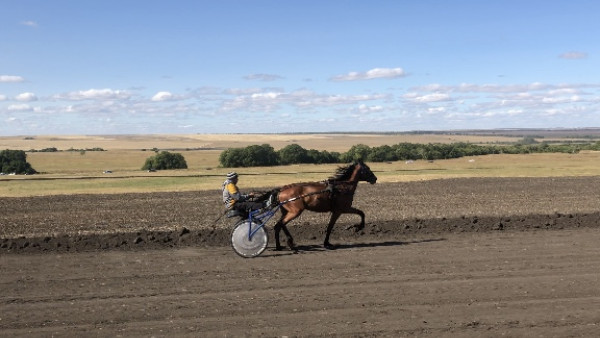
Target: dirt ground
x,y
515,284
457,258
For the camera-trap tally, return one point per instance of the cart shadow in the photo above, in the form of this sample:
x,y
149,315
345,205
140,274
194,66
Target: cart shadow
x,y
319,248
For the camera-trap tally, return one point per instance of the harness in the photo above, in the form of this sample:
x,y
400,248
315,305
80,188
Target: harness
x,y
339,188
305,195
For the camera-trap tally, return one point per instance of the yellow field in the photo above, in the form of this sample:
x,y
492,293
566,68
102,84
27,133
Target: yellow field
x,y
76,173
330,142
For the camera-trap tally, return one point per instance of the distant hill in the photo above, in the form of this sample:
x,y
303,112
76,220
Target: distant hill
x,y
522,132
588,132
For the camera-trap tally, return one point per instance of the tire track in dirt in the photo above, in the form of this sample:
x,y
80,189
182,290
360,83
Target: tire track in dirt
x,y
464,284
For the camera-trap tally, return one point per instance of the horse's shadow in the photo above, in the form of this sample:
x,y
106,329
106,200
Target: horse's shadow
x,y
319,247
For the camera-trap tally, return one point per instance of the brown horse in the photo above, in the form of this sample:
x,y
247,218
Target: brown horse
x,y
334,195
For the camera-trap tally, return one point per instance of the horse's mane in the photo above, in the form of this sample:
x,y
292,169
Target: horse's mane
x,y
342,173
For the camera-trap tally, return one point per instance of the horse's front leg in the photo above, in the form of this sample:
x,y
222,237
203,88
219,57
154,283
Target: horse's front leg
x,y
332,220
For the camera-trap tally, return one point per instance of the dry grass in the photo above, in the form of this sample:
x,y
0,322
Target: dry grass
x,y
75,173
330,142
75,180
525,165
120,161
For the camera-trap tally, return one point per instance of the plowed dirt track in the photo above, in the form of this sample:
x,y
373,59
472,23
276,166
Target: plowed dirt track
x,y
459,257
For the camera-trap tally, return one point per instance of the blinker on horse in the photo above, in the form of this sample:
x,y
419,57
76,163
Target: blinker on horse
x,y
334,195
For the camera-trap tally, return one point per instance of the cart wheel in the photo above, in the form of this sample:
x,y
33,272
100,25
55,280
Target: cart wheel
x,y
245,246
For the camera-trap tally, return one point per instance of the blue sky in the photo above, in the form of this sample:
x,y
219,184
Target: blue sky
x,y
183,67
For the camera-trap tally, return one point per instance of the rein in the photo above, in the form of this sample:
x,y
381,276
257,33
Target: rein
x,y
223,214
305,195
330,189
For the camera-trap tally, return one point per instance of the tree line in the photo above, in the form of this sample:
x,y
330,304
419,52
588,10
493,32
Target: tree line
x,y
54,150
15,161
265,155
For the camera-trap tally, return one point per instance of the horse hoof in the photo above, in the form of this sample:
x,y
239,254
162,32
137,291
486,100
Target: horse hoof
x,y
356,227
290,244
329,246
278,248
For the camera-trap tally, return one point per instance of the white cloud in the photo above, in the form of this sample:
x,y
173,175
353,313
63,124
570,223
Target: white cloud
x,y
363,108
498,88
95,94
238,91
562,91
26,97
464,105
435,97
514,112
266,96
2,97
573,55
433,110
162,96
563,99
269,101
11,78
29,23
375,73
263,77
20,107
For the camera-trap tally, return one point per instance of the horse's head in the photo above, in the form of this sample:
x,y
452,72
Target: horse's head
x,y
365,173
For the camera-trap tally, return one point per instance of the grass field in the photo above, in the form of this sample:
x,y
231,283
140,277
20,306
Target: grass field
x,y
76,173
330,142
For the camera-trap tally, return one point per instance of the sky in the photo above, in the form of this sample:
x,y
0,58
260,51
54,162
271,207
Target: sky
x,y
72,67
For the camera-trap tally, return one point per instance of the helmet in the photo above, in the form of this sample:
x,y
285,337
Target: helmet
x,y
232,175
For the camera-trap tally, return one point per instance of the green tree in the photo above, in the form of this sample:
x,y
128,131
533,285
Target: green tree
x,y
165,160
293,154
528,140
405,151
356,152
15,161
382,154
251,156
231,157
260,155
319,157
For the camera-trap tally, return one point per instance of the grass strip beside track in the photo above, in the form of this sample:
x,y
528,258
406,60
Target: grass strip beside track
x,y
90,181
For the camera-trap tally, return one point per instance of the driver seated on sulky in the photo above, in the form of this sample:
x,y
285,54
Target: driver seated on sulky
x,y
239,204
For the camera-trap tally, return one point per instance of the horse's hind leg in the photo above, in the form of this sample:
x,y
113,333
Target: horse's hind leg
x,y
290,240
281,225
277,229
362,218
